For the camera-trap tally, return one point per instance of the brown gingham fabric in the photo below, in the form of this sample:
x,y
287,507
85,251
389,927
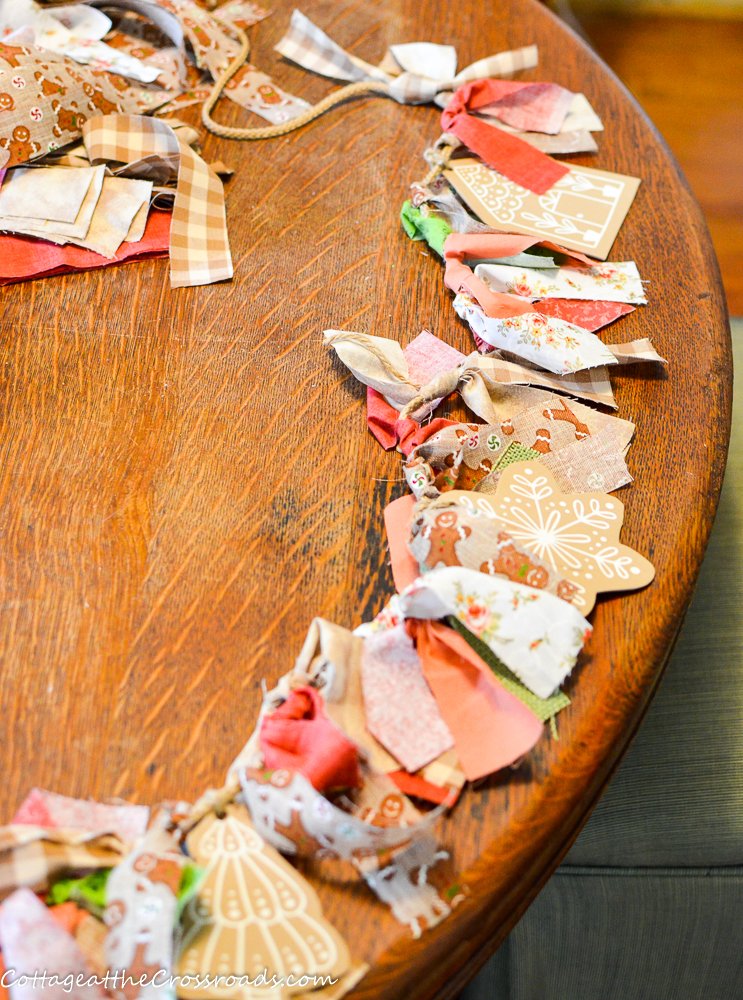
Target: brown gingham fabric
x,y
634,351
592,384
33,856
309,47
199,246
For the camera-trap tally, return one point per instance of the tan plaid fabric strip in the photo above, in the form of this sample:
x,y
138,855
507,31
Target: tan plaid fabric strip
x,y
592,384
503,64
309,47
634,351
33,856
199,246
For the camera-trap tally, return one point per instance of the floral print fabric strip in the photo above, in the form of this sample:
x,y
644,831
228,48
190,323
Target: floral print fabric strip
x,y
462,250
536,635
550,343
608,282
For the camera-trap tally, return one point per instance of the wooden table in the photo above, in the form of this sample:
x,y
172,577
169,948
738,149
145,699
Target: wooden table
x,y
186,478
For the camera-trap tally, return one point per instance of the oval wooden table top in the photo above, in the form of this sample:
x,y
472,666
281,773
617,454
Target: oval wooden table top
x,y
186,479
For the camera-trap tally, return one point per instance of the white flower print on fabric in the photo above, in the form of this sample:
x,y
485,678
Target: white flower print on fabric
x,y
609,282
548,342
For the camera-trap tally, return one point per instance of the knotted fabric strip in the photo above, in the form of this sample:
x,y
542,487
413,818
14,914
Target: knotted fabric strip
x,y
490,386
416,73
521,162
299,736
459,277
199,246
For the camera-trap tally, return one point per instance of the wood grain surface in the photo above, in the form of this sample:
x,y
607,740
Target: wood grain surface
x,y
186,478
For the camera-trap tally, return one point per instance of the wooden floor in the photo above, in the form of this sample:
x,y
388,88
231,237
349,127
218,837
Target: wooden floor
x,y
688,75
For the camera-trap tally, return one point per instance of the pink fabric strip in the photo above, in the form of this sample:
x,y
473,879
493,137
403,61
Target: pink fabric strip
x,y
530,107
490,726
506,153
458,276
590,316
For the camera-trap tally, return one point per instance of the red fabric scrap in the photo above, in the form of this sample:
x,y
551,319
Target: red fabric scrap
x,y
504,152
413,784
299,736
385,424
23,257
590,315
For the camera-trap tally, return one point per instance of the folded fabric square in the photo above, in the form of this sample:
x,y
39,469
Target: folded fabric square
x,y
400,710
23,258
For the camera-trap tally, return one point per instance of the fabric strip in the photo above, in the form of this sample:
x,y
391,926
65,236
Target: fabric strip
x,y
199,246
506,153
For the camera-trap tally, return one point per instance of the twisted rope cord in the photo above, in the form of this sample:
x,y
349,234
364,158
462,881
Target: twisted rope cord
x,y
438,156
360,89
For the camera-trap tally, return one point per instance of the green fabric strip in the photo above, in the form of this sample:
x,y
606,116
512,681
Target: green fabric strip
x,y
88,892
430,228
531,259
544,708
516,452
191,878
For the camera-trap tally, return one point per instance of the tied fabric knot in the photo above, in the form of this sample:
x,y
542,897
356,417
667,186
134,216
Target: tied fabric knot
x,y
438,155
299,736
461,248
415,73
438,388
508,154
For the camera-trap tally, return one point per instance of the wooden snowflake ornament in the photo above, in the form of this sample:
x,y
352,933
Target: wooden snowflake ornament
x,y
575,533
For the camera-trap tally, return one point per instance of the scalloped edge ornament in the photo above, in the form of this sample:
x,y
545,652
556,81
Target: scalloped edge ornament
x,y
575,533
